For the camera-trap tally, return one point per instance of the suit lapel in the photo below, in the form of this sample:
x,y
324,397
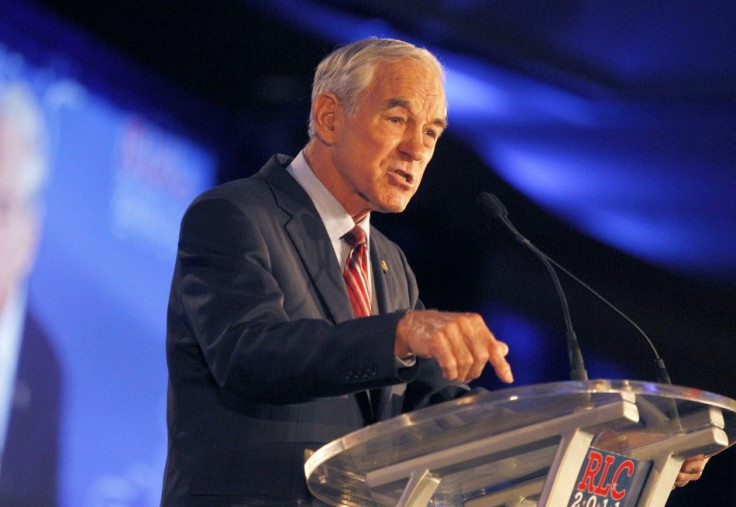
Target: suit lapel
x,y
308,234
383,282
384,277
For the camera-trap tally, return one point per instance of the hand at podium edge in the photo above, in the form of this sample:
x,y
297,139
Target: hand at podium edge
x,y
691,470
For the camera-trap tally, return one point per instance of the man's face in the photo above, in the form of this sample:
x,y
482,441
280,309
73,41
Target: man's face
x,y
382,149
19,222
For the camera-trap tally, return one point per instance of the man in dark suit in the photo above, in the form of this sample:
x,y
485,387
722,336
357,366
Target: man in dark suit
x,y
266,358
29,370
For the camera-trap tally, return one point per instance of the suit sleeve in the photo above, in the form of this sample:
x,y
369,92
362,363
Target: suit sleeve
x,y
227,318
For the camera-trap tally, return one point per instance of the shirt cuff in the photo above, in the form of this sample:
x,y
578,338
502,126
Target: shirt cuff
x,y
406,362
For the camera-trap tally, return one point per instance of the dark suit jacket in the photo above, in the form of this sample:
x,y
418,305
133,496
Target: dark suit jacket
x,y
265,358
28,474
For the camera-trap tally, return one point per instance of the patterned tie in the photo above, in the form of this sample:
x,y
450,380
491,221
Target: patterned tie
x,y
356,273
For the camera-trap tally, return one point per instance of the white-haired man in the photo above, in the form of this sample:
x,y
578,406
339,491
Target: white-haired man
x,y
29,371
266,356
277,343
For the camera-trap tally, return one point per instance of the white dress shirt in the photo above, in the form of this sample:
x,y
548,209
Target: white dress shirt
x,y
11,334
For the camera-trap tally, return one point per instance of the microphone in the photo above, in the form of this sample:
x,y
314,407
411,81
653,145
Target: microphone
x,y
494,209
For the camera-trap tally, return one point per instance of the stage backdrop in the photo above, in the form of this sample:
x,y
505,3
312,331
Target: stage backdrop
x,y
119,178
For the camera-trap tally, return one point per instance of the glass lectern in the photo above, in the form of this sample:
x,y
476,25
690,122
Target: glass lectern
x,y
612,443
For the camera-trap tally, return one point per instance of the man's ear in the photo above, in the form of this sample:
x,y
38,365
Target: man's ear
x,y
327,117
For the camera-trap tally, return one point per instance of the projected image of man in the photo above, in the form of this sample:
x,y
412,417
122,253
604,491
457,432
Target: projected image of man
x,y
29,372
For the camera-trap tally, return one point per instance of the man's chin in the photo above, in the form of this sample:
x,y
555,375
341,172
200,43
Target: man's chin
x,y
393,208
396,204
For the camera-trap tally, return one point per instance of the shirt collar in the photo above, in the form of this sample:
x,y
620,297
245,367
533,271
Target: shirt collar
x,y
337,221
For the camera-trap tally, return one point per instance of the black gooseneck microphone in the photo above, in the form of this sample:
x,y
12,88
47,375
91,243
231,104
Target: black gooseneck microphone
x,y
494,209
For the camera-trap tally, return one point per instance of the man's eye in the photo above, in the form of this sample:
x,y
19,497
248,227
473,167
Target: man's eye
x,y
434,133
396,119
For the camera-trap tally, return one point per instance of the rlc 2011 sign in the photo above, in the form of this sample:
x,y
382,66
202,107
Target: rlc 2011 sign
x,y
606,480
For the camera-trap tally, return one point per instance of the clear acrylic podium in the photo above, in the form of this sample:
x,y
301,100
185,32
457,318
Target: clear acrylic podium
x,y
560,444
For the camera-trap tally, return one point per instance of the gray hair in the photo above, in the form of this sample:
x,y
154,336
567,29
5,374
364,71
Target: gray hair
x,y
348,70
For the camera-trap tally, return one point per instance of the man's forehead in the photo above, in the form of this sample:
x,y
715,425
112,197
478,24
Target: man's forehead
x,y
411,74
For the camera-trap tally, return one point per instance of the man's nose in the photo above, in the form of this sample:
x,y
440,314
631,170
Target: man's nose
x,y
413,144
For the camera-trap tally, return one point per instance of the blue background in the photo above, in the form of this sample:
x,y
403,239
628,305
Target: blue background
x,y
607,128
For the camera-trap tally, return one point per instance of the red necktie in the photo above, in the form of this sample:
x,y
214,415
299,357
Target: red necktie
x,y
356,273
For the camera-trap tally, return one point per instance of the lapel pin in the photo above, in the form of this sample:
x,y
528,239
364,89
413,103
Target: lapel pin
x,y
384,266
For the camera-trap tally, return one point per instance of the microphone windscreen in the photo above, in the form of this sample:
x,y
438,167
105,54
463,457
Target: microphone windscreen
x,y
491,206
